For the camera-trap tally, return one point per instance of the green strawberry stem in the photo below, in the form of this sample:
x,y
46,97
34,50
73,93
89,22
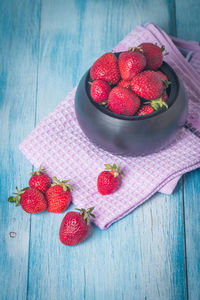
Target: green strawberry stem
x,y
157,103
103,103
86,213
17,199
63,183
166,82
41,170
162,48
133,48
116,170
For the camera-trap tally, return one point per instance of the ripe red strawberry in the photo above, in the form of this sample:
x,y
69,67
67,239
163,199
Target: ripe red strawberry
x,y
58,196
108,181
162,75
131,63
145,110
40,180
75,226
164,79
153,54
100,90
123,101
32,201
125,84
106,68
147,85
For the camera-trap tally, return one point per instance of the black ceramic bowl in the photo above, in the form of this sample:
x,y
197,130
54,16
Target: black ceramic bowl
x,y
132,135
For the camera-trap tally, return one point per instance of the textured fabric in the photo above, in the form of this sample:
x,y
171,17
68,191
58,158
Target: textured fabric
x,y
59,145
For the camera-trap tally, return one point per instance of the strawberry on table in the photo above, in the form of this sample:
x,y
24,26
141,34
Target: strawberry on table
x,y
152,53
147,85
106,68
123,101
40,180
145,110
32,200
108,181
131,63
58,196
75,226
100,90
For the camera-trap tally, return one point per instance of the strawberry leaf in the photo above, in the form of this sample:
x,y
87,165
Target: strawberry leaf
x,y
56,180
86,213
162,48
108,166
114,167
11,199
18,200
69,187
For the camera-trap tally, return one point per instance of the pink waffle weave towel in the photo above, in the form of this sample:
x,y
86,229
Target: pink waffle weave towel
x,y
59,145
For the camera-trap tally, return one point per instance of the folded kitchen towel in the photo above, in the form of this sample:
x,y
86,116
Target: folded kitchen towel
x,y
59,145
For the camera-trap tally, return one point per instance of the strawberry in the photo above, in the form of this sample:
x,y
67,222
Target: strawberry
x,y
32,200
123,101
58,196
106,68
131,63
153,54
100,90
164,78
145,110
39,180
162,75
147,85
108,181
75,226
124,83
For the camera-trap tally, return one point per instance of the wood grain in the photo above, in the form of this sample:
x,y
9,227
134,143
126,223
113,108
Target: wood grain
x,y
192,231
187,19
19,29
142,256
46,46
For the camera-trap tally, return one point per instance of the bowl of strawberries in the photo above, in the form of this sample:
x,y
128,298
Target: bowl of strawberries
x,y
131,103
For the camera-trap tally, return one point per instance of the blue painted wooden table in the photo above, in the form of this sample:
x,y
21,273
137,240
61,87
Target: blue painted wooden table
x,y
153,253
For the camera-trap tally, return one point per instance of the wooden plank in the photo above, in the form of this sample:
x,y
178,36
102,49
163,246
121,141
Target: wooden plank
x,y
142,256
19,29
192,231
187,20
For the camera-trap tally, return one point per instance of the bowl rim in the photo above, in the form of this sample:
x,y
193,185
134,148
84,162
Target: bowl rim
x,y
172,92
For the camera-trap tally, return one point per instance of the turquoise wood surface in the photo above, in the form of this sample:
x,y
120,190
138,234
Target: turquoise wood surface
x,y
153,253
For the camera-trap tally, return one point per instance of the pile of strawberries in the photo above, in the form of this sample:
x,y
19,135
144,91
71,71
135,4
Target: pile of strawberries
x,y
130,84
55,197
